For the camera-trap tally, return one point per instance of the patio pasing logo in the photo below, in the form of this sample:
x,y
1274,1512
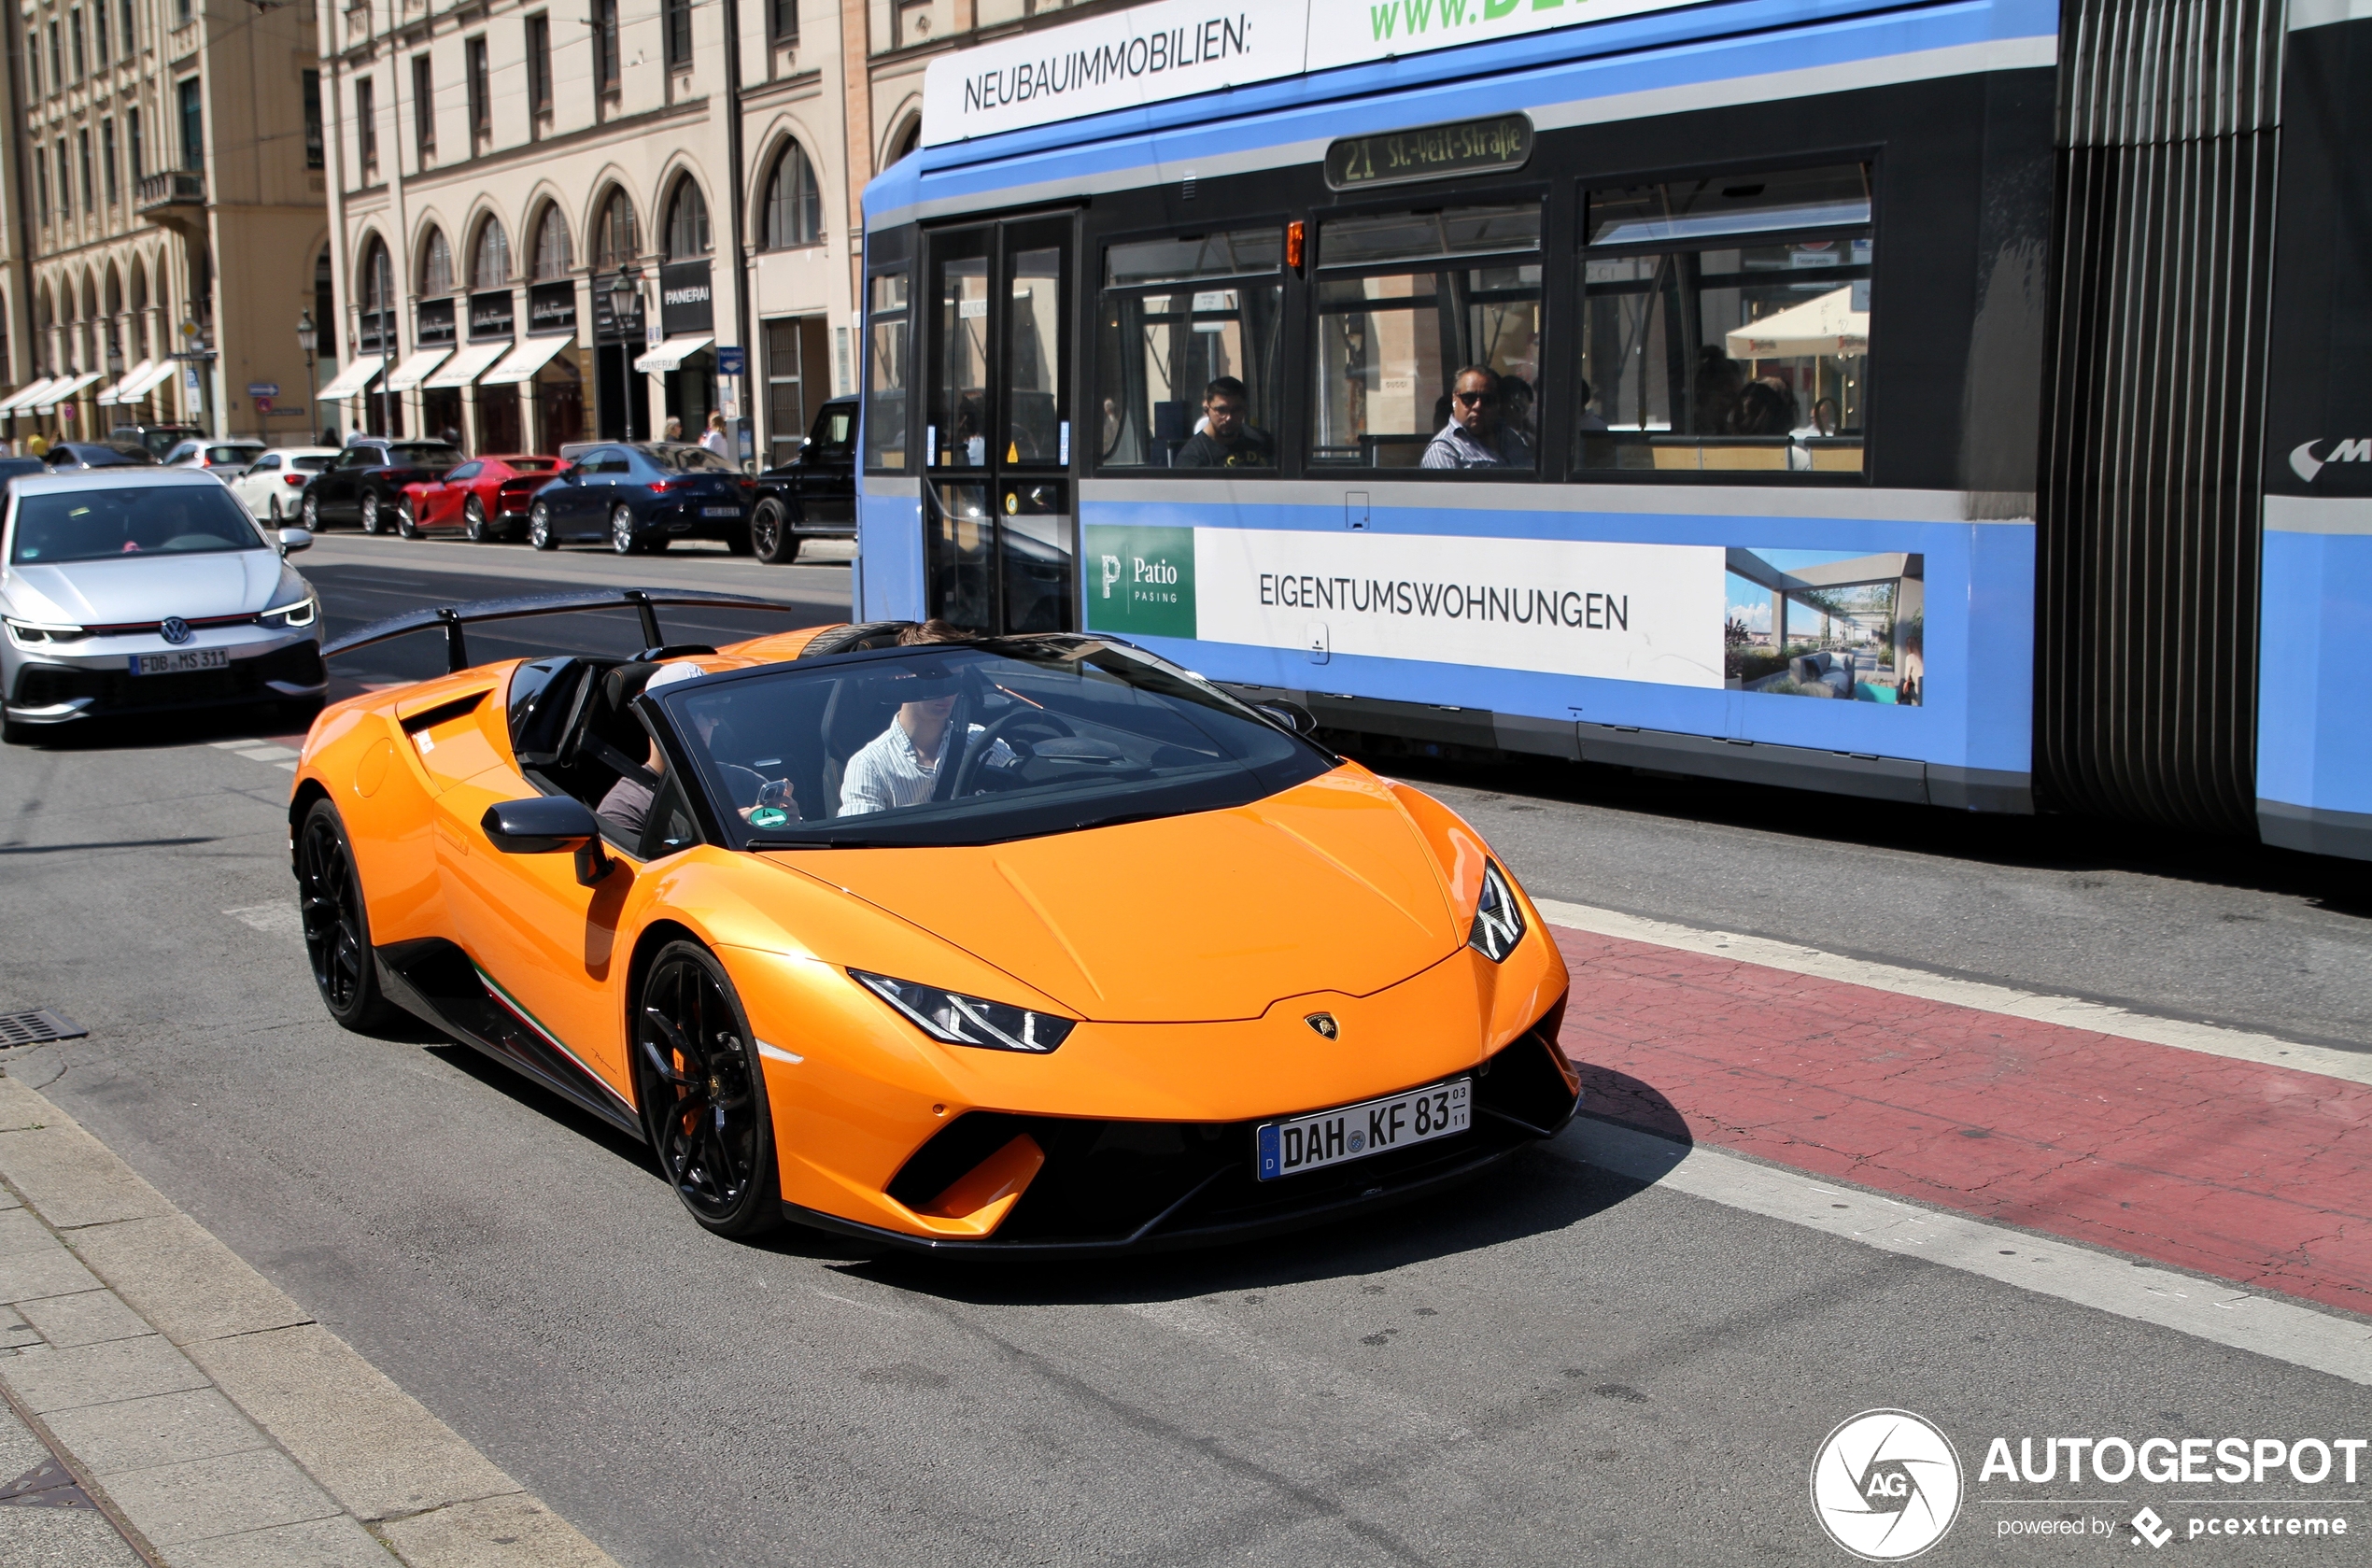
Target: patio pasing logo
x,y
1886,1485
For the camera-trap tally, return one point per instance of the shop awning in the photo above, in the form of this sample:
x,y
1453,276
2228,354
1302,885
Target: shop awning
x,y
523,361
156,375
413,370
115,394
23,397
1826,325
358,375
468,366
60,390
672,354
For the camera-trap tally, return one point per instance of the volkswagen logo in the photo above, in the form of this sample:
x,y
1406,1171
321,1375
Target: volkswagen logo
x,y
1324,1023
173,630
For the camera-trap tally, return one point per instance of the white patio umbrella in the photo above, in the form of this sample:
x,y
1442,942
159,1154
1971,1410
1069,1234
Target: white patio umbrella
x,y
1826,325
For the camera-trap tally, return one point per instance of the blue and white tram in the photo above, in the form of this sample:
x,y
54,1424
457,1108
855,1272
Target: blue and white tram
x,y
1697,388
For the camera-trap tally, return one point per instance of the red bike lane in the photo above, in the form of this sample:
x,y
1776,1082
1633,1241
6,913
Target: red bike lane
x,y
2258,1174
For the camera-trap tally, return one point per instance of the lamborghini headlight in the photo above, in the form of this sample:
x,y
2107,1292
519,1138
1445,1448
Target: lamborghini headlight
x,y
957,1019
39,634
291,615
1499,919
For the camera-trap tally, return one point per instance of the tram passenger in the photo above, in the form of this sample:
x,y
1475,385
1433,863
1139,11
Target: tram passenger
x,y
1475,436
1515,401
1721,380
1227,438
1593,422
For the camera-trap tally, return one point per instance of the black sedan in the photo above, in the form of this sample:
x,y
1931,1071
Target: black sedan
x,y
97,454
366,485
639,496
814,496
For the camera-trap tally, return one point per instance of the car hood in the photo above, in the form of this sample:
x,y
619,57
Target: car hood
x,y
1327,886
150,587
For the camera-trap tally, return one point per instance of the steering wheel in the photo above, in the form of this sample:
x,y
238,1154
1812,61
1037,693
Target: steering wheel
x,y
982,743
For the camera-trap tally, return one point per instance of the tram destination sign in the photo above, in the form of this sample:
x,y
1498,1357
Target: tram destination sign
x,y
1430,152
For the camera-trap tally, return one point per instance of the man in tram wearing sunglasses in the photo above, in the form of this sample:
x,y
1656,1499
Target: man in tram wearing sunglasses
x,y
1475,436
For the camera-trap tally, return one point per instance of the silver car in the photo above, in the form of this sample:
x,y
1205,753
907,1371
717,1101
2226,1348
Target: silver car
x,y
145,590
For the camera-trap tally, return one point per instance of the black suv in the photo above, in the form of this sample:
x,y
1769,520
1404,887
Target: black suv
x,y
814,496
366,482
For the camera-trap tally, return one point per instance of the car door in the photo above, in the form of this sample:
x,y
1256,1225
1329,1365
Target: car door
x,y
549,946
256,484
603,470
449,491
827,470
340,491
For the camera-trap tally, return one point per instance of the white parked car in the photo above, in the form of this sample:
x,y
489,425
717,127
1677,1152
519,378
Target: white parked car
x,y
273,485
226,460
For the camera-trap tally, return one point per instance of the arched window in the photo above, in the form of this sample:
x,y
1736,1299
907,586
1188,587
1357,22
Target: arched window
x,y
794,205
906,140
436,266
490,268
378,278
687,236
553,261
616,239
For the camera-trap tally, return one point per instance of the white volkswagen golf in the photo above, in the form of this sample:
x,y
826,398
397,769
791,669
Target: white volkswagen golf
x,y
140,590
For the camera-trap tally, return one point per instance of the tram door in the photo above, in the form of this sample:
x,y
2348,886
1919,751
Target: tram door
x,y
997,440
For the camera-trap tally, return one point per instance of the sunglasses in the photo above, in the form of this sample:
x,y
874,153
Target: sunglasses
x,y
1471,399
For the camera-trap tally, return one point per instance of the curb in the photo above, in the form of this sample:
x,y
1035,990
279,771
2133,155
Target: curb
x,y
208,1414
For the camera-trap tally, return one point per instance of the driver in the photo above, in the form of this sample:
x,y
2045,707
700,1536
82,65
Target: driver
x,y
628,805
899,767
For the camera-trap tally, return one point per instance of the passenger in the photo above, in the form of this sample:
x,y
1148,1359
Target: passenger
x,y
899,767
628,805
1515,399
1227,439
1719,381
1764,407
1474,436
1593,422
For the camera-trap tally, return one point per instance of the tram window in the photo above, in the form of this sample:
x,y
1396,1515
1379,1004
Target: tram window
x,y
1180,316
1037,412
888,320
1725,324
1404,302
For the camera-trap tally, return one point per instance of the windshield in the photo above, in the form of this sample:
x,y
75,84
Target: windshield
x,y
436,455
691,459
972,743
152,519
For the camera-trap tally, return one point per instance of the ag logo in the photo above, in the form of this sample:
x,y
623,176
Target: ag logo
x,y
1885,1485
1325,1025
2305,465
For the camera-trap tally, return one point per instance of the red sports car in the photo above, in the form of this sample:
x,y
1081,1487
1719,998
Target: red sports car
x,y
486,498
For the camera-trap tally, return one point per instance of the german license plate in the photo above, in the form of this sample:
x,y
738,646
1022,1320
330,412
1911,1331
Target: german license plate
x,y
720,511
1331,1137
174,664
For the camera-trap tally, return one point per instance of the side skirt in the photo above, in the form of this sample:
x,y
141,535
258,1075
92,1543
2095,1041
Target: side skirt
x,y
434,980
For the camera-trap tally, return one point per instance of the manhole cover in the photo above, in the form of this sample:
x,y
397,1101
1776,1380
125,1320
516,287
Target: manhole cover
x,y
38,1027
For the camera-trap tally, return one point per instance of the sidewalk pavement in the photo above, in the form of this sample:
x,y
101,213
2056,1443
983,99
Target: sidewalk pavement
x,y
190,1415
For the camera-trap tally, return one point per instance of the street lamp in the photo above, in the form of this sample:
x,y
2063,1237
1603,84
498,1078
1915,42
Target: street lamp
x,y
626,295
309,336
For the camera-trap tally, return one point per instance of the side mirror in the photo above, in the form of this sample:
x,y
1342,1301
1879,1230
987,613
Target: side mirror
x,y
546,824
295,538
1288,716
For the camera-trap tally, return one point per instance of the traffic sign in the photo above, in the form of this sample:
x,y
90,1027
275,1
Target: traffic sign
x,y
732,361
264,389
263,402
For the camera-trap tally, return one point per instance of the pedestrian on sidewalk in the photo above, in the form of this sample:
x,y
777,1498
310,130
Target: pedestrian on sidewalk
x,y
716,440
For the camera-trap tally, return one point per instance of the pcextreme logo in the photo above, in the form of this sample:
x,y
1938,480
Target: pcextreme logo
x,y
1885,1485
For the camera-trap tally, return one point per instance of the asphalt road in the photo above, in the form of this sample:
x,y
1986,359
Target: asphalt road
x,y
1554,1366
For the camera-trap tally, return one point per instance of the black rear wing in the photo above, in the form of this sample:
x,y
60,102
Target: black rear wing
x,y
451,619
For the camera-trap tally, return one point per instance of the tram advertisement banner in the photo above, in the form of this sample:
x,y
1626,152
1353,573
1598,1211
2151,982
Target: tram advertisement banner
x,y
1623,612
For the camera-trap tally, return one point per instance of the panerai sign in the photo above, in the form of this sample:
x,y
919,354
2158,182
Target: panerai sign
x,y
685,306
1174,49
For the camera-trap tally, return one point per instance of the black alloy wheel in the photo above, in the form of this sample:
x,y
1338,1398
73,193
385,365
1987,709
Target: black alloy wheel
x,y
702,1091
370,511
622,538
772,538
473,521
337,925
538,527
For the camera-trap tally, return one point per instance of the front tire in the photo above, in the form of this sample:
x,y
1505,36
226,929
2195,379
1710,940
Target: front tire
x,y
770,536
702,1090
622,538
539,529
473,521
337,922
369,511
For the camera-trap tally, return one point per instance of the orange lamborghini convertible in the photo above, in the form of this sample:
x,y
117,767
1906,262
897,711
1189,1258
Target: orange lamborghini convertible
x,y
1033,945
